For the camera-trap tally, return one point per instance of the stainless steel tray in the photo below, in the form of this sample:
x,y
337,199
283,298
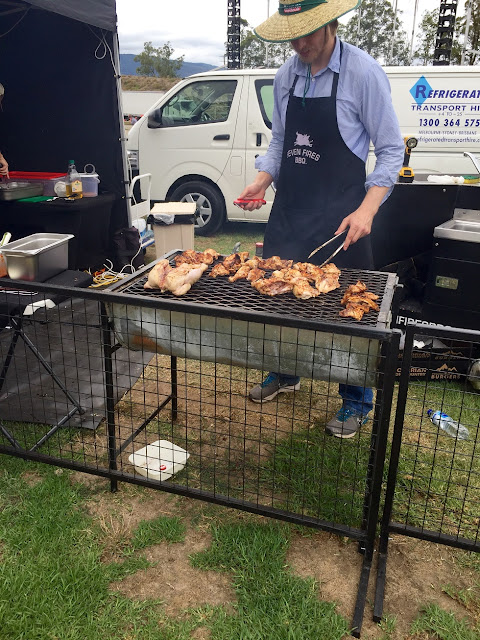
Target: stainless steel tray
x,y
17,190
37,257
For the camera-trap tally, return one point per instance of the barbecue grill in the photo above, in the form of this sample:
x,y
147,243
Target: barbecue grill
x,y
232,323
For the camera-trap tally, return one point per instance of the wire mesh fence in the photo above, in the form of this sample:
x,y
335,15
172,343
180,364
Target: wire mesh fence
x,y
156,392
433,487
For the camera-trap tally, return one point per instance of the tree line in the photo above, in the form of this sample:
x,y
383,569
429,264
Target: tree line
x,y
376,29
380,32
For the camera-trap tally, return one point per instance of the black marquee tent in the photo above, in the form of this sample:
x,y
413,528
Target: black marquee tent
x,y
59,67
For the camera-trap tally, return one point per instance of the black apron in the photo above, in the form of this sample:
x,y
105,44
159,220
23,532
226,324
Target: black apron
x,y
321,182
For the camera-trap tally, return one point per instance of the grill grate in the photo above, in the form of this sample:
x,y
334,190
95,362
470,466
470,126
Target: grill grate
x,y
241,295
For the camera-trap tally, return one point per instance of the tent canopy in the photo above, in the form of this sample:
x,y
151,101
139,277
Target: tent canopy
x,y
99,13
60,74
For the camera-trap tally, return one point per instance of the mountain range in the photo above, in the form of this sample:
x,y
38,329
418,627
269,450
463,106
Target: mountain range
x,y
128,67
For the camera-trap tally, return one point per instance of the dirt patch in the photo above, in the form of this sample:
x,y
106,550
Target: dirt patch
x,y
32,478
175,581
416,573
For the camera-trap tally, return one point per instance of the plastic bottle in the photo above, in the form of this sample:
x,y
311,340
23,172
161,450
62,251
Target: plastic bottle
x,y
449,425
73,183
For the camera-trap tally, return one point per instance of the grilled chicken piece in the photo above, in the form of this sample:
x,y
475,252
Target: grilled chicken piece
x,y
311,271
255,274
355,311
190,256
325,278
219,270
352,290
272,286
275,262
301,286
331,268
196,257
241,274
327,282
303,290
209,255
157,275
357,301
365,299
234,261
180,280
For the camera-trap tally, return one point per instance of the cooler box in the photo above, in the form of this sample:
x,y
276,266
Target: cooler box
x,y
173,226
48,180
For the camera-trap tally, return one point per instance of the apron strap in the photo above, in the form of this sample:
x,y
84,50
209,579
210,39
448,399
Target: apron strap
x,y
292,88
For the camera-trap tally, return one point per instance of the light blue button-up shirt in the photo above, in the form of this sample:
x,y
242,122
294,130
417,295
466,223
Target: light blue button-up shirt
x,y
364,111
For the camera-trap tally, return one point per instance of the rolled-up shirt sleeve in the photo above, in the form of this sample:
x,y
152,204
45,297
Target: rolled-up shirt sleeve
x,y
381,123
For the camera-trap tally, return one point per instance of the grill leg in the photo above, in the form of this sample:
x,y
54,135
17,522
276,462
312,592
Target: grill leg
x,y
109,396
361,598
174,375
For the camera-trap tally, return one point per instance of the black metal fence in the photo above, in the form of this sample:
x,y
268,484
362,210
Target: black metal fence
x,y
90,379
433,488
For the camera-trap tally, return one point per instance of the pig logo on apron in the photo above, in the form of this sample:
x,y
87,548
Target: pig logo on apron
x,y
303,140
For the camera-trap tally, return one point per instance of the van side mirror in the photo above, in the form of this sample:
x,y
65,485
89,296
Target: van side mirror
x,y
154,119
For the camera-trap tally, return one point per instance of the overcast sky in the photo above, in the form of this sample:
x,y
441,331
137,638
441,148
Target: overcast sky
x,y
198,30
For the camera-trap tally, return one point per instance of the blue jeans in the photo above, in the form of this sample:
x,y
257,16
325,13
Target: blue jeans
x,y
358,399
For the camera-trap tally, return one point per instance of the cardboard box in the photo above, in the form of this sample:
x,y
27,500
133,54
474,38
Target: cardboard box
x,y
173,226
432,359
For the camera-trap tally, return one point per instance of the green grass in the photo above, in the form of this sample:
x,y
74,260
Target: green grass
x,y
442,625
54,584
320,476
231,233
162,529
272,604
438,480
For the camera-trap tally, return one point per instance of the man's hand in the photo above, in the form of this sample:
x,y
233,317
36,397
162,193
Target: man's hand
x,y
256,191
359,222
3,167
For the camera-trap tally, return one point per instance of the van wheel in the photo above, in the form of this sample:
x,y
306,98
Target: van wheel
x,y
210,206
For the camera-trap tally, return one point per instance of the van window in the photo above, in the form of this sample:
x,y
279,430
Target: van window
x,y
264,89
200,102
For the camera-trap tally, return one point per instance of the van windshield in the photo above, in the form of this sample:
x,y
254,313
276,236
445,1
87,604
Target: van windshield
x,y
200,102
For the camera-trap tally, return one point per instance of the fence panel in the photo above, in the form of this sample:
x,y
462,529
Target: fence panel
x,y
433,488
152,392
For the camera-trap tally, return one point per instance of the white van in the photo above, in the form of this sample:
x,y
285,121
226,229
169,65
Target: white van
x,y
200,140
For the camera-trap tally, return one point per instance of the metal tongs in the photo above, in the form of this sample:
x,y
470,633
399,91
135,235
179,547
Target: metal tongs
x,y
325,244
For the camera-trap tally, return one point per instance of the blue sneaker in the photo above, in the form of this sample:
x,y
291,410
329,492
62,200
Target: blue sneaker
x,y
345,424
272,386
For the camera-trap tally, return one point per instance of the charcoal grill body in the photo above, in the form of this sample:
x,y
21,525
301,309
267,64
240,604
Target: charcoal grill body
x,y
231,323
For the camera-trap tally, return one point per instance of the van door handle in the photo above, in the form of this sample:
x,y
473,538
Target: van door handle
x,y
223,136
259,139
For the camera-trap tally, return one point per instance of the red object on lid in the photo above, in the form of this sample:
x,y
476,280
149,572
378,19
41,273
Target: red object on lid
x,y
34,175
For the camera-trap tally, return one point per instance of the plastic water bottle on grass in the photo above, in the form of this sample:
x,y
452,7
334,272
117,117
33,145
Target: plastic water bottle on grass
x,y
451,427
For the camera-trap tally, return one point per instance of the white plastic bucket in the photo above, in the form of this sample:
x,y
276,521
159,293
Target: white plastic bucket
x,y
90,182
159,460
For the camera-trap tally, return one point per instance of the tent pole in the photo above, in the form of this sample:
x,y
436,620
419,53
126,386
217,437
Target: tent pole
x,y
126,181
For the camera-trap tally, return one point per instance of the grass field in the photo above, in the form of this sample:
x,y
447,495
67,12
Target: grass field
x,y
80,563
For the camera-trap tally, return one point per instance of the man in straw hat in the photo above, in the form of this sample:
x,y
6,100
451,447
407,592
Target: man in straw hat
x,y
330,100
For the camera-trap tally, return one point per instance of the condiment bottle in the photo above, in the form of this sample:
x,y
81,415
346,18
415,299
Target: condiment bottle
x,y
73,183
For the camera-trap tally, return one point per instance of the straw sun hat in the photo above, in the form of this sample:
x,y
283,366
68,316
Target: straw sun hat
x,y
297,18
